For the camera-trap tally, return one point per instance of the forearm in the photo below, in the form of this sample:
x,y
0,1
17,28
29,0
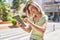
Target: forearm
x,y
26,29
23,27
37,28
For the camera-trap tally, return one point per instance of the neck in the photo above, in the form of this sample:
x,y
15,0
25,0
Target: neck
x,y
39,15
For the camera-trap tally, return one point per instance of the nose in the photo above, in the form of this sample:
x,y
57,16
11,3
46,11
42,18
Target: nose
x,y
32,10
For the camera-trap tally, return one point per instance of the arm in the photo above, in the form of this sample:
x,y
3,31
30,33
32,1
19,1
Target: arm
x,y
25,29
40,29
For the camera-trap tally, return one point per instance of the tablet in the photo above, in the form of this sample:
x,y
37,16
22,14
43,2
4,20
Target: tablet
x,y
17,17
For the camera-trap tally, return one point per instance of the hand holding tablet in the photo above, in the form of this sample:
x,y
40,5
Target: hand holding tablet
x,y
17,17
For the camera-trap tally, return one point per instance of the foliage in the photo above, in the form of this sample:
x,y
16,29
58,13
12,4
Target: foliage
x,y
2,1
14,22
17,4
54,19
11,19
23,16
4,10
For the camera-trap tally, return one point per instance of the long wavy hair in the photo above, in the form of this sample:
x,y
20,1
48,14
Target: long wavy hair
x,y
36,6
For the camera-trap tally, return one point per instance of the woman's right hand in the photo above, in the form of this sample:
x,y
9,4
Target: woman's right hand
x,y
26,20
19,24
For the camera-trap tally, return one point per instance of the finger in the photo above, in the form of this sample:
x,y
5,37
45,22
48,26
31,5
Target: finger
x,y
18,24
26,18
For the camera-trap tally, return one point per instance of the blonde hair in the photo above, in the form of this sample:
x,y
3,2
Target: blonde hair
x,y
35,5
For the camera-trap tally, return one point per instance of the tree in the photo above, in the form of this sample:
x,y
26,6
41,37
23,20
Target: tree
x,y
4,10
17,4
2,1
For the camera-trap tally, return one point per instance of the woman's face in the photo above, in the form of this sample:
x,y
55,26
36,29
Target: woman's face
x,y
33,10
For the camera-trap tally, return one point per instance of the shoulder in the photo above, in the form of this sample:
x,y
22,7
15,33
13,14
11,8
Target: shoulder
x,y
45,18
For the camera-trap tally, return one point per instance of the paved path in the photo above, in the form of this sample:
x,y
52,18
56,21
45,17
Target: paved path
x,y
19,34
52,35
14,34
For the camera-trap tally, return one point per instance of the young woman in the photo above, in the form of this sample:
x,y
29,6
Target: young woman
x,y
37,21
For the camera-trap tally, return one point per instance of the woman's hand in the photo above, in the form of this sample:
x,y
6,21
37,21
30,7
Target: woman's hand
x,y
26,20
19,24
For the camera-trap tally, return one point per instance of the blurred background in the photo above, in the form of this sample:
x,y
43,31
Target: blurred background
x,y
9,8
50,7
